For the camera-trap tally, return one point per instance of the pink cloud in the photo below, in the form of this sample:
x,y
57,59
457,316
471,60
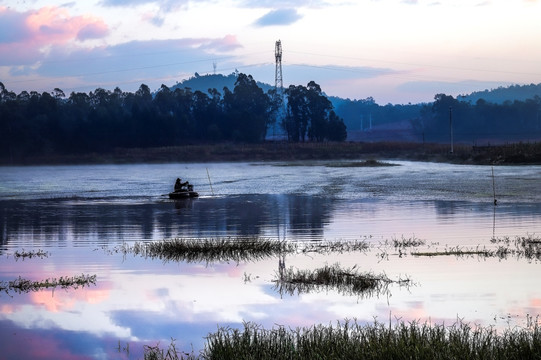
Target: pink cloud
x,y
65,301
25,34
225,44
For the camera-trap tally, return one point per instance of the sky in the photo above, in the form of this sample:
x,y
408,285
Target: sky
x,y
395,51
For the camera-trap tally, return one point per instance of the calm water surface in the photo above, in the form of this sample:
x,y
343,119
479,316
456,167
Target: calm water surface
x,y
80,214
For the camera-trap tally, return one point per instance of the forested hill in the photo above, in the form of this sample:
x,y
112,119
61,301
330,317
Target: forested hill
x,y
213,81
503,94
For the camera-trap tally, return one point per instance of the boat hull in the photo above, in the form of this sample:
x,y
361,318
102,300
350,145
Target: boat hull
x,y
183,194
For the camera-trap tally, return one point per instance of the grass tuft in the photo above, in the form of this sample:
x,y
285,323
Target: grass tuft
x,y
21,285
30,254
346,281
408,242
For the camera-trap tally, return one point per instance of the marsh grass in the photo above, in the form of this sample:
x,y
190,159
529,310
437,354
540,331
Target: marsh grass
x,y
365,163
350,340
232,249
457,251
30,254
21,285
404,242
528,247
337,246
209,250
348,281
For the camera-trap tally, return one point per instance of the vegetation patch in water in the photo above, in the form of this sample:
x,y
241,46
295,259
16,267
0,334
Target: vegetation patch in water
x,y
210,250
21,285
345,280
456,251
408,242
528,247
232,249
30,254
365,163
338,246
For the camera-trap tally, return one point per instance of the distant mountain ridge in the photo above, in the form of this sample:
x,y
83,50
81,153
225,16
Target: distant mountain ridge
x,y
503,94
498,96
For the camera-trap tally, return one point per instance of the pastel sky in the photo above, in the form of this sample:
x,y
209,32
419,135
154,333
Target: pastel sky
x,y
397,51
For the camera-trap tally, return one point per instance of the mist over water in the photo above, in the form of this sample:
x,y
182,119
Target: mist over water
x,y
79,214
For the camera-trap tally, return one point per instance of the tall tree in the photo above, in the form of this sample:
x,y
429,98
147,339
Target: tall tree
x,y
247,109
310,115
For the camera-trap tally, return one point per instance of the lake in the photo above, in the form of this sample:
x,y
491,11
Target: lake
x,y
79,216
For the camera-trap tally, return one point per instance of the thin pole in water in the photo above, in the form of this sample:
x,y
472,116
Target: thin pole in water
x,y
494,187
210,183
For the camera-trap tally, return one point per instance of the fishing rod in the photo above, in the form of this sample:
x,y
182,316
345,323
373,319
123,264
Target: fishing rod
x,y
210,183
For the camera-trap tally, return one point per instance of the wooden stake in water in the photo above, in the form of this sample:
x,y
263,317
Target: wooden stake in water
x,y
494,188
210,183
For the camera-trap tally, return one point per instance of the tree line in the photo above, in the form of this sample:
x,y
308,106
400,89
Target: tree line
x,y
509,121
478,122
47,123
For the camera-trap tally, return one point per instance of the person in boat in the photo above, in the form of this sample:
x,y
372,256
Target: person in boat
x,y
179,185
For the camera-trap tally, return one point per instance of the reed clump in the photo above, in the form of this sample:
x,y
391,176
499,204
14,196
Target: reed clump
x,y
233,249
21,285
405,242
210,250
23,254
348,281
351,340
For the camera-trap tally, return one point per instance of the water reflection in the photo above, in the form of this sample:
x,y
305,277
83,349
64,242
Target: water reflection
x,y
59,223
50,221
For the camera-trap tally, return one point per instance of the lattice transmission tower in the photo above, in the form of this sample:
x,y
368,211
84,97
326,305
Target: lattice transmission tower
x,y
278,80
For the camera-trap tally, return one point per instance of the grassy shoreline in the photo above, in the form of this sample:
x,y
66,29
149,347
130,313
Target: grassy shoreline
x,y
352,340
520,153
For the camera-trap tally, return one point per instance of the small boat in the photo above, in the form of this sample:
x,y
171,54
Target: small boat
x,y
183,193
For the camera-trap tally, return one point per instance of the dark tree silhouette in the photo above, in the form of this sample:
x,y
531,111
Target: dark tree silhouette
x,y
310,115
